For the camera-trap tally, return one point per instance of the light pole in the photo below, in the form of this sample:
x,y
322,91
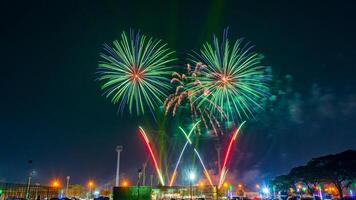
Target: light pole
x,y
118,150
90,186
144,171
37,186
138,183
151,177
191,177
56,184
67,185
29,183
218,149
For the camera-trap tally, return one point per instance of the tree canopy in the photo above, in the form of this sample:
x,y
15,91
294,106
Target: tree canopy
x,y
337,169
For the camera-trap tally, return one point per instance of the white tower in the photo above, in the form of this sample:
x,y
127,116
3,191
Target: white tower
x,y
67,186
118,150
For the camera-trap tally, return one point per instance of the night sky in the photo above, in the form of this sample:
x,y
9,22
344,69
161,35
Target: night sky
x,y
52,110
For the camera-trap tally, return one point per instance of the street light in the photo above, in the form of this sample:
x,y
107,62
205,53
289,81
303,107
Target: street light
x,y
125,183
90,186
29,183
226,188
191,176
265,190
37,185
226,185
56,184
67,186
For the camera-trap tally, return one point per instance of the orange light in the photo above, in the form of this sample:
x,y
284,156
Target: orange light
x,y
125,183
299,186
55,183
91,184
240,186
201,184
226,184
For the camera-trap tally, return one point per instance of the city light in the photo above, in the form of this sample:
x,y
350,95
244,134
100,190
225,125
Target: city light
x,y
201,184
90,184
125,183
304,189
226,185
55,183
191,176
257,186
96,192
265,190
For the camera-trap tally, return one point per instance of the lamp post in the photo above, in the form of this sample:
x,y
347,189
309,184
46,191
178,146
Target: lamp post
x,y
218,149
29,183
191,177
90,186
144,171
67,185
56,184
139,171
118,150
37,186
151,177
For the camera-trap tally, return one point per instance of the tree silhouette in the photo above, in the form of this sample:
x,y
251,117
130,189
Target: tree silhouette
x,y
338,169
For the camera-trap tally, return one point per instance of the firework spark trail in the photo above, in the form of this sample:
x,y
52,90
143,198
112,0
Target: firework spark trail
x,y
227,155
147,141
211,122
181,154
182,92
205,170
200,159
176,167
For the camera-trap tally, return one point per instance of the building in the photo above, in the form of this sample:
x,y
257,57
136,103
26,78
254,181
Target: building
x,y
18,190
164,193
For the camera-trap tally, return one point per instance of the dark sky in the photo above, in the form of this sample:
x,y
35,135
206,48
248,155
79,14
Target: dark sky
x,y
52,111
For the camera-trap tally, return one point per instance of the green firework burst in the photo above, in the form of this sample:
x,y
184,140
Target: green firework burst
x,y
135,72
230,78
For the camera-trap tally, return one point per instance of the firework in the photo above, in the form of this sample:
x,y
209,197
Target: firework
x,y
198,155
231,79
183,96
134,72
227,155
147,141
174,175
205,170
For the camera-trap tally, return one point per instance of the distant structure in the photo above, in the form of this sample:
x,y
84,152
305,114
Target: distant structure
x,y
17,190
118,150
